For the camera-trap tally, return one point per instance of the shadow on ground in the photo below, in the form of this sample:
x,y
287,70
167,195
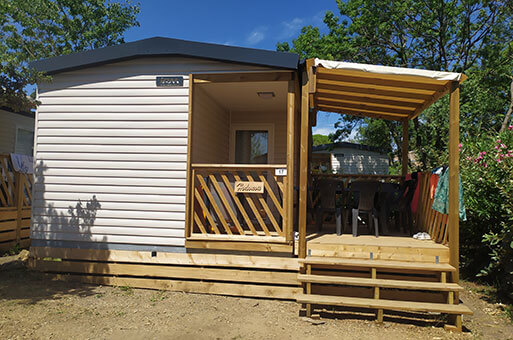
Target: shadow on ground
x,y
29,287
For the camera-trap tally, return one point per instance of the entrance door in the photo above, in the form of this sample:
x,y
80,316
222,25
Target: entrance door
x,y
252,144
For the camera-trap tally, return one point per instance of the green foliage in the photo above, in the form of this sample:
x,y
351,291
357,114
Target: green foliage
x,y
487,235
38,29
321,139
471,36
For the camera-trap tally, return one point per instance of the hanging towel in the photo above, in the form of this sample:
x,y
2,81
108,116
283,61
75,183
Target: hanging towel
x,y
415,199
22,163
441,199
433,182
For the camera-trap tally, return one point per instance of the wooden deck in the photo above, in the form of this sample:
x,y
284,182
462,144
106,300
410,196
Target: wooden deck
x,y
395,248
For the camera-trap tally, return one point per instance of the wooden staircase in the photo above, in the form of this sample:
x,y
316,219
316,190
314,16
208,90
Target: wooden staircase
x,y
381,285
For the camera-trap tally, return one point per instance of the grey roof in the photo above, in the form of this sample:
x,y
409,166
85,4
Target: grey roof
x,y
332,146
28,114
159,46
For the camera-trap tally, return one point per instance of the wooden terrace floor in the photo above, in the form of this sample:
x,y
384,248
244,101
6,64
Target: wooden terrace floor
x,y
397,248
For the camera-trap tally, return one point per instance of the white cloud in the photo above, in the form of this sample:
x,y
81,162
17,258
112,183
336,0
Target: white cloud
x,y
317,130
291,28
256,36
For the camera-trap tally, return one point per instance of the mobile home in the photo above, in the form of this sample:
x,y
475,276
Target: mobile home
x,y
180,165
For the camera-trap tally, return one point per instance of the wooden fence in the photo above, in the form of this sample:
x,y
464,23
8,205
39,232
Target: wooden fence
x,y
220,212
427,219
15,205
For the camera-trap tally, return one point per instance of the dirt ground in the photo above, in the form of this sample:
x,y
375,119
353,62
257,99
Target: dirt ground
x,y
34,307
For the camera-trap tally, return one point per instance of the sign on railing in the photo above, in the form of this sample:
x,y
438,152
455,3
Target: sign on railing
x,y
249,187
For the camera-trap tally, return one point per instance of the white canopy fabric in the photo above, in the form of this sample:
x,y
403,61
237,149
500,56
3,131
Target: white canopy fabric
x,y
437,75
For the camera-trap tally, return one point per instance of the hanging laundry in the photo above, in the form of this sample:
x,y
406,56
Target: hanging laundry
x,y
441,198
433,181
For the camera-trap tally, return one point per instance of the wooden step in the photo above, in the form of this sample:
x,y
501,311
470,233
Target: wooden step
x,y
368,282
336,261
383,304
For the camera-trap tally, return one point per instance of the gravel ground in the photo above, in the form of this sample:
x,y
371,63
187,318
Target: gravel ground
x,y
34,307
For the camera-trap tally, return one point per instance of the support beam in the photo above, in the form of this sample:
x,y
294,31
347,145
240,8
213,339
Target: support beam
x,y
404,158
303,167
289,209
454,164
189,197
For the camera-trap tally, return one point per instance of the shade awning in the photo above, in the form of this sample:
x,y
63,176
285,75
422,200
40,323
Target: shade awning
x,y
384,92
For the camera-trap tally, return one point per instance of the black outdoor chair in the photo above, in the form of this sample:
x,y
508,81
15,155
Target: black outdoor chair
x,y
401,206
387,194
327,189
366,192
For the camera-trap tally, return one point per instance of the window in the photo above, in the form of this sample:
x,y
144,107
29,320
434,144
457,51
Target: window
x,y
24,142
251,147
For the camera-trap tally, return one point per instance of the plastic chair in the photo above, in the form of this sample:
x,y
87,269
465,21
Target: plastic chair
x,y
366,194
401,207
388,192
328,203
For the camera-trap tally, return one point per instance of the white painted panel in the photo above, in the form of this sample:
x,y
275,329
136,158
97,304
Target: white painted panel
x,y
115,100
148,82
161,149
115,222
112,173
116,165
179,241
113,132
43,156
158,182
109,189
91,124
161,232
101,197
117,116
114,140
40,212
112,92
160,207
112,108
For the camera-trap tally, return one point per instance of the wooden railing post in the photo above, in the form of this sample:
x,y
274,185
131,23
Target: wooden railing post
x,y
18,182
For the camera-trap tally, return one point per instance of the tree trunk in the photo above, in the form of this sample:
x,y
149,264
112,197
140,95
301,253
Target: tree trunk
x,y
510,109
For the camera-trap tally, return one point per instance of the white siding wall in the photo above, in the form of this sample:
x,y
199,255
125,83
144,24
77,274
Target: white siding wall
x,y
111,153
357,161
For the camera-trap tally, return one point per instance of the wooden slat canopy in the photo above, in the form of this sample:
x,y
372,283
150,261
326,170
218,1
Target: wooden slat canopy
x,y
371,93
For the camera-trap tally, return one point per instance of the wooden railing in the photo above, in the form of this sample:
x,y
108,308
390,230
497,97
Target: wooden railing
x,y
15,205
218,212
427,219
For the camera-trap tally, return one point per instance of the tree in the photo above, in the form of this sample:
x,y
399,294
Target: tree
x,y
321,139
38,29
471,36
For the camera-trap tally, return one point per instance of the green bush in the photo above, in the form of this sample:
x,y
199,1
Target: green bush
x,y
486,238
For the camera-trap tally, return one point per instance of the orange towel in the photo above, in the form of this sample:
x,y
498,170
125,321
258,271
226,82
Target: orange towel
x,y
433,182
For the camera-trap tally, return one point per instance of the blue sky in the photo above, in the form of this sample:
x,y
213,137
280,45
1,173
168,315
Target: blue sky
x,y
257,24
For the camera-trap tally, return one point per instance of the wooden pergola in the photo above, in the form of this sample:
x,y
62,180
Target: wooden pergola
x,y
390,93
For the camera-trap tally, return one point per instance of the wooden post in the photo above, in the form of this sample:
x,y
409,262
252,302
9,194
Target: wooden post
x,y
19,203
404,161
289,208
189,194
308,290
454,163
303,166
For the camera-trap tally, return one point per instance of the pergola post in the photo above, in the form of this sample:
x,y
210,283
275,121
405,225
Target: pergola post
x,y
291,100
303,166
404,160
454,164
